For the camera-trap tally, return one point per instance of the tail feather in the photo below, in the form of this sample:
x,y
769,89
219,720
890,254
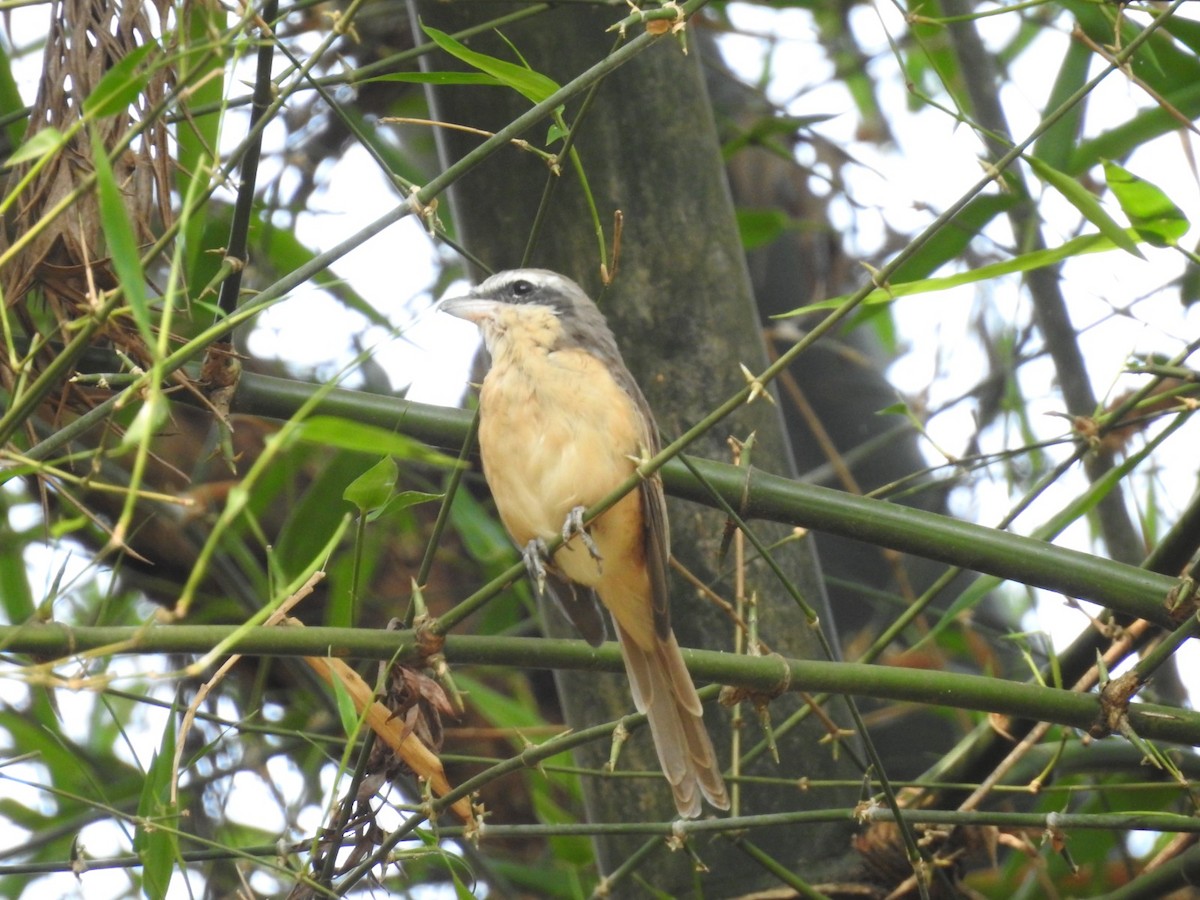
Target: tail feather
x,y
662,689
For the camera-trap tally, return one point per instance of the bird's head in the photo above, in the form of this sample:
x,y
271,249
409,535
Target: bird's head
x,y
537,304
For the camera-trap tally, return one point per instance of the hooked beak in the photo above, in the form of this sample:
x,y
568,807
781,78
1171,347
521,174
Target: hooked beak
x,y
470,308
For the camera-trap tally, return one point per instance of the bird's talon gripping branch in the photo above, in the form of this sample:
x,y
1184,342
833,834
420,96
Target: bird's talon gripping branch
x,y
573,525
534,555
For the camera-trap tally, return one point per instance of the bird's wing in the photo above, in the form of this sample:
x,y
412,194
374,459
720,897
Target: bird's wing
x,y
654,511
579,604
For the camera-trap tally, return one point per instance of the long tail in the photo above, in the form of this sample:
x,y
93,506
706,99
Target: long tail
x,y
662,689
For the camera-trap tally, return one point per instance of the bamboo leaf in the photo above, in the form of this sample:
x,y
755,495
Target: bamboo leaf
x,y
371,490
437,78
16,596
1121,140
1056,144
155,846
345,707
122,245
533,86
952,240
198,131
1087,204
1026,262
46,141
331,431
1151,212
1189,282
120,85
404,500
759,227
10,98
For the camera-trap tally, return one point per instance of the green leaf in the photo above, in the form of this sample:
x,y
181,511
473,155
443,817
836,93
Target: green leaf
x,y
404,500
371,490
41,736
953,238
150,417
1186,31
16,596
1026,262
880,320
24,817
43,143
120,85
10,98
437,78
1087,204
313,518
197,132
765,130
1122,139
533,86
122,245
1151,213
934,67
331,431
345,707
157,847
1055,145
504,711
759,227
484,537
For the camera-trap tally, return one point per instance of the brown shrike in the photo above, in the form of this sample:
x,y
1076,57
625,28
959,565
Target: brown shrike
x,y
562,425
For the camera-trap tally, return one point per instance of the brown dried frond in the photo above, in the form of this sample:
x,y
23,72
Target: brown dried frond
x,y
68,259
419,702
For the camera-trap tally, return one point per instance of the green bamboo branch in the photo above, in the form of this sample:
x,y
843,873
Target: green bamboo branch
x,y
1165,822
769,675
1168,822
1121,587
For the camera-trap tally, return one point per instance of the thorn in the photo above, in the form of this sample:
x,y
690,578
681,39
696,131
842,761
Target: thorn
x,y
757,388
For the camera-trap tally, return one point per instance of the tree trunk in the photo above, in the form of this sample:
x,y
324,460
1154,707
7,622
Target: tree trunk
x,y
683,312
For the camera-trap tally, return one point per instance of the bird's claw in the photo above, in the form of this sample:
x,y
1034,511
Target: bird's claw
x,y
574,526
534,555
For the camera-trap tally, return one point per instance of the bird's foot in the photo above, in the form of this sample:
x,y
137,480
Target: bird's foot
x,y
534,555
574,526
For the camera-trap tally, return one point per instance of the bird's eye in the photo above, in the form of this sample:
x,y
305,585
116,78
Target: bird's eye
x,y
521,288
